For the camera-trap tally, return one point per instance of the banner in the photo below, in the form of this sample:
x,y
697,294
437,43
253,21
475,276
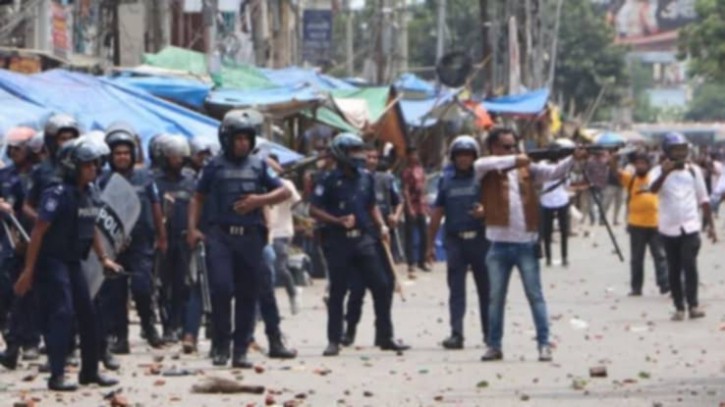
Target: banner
x,y
317,36
61,30
643,19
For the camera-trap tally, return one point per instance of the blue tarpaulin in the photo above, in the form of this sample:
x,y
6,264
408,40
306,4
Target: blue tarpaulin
x,y
263,97
293,76
417,112
523,104
411,83
96,103
185,91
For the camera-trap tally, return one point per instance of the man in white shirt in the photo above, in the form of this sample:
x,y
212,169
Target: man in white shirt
x,y
682,191
511,203
281,231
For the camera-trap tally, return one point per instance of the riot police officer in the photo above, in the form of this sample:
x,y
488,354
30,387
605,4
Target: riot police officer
x,y
344,201
239,185
388,199
22,328
176,185
53,263
59,129
138,257
465,241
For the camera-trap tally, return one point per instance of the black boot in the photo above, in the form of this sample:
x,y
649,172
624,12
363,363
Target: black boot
x,y
348,339
333,349
390,344
120,346
9,358
153,338
221,356
278,350
96,378
240,361
58,383
455,341
109,361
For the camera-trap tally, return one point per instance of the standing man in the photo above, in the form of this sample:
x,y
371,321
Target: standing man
x,y
138,257
176,185
53,264
642,207
681,189
388,200
240,185
22,329
344,202
597,170
458,201
512,219
416,209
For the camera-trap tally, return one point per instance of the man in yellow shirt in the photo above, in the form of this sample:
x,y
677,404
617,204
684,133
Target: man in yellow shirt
x,y
642,208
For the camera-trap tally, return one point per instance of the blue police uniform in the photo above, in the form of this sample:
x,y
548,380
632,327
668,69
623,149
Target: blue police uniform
x,y
387,197
42,176
352,253
62,288
234,243
22,328
465,244
137,259
175,191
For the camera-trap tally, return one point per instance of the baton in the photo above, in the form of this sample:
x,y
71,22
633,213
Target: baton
x,y
389,258
19,227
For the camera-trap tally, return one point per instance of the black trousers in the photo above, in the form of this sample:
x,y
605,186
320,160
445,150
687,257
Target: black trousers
x,y
639,239
681,252
412,223
547,229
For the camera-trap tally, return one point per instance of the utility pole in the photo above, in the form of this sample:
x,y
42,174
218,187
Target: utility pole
x,y
403,35
116,34
440,46
349,47
210,13
486,37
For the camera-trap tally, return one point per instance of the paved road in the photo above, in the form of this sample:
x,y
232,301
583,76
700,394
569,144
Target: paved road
x,y
650,361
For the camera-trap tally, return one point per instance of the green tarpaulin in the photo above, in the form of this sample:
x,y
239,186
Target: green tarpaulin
x,y
376,99
231,75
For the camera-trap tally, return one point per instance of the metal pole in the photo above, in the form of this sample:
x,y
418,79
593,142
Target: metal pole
x,y
440,46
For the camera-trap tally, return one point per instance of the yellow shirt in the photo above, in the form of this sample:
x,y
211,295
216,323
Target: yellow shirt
x,y
643,206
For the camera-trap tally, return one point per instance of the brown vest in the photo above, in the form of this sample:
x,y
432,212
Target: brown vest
x,y
495,199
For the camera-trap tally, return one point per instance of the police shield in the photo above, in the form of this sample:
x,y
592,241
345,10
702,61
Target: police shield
x,y
120,209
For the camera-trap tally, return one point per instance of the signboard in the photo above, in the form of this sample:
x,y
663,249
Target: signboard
x,y
61,30
641,19
317,36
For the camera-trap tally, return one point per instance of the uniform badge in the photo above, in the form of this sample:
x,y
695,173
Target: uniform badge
x,y
319,190
51,205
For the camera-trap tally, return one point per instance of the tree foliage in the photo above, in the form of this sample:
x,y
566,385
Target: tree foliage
x,y
708,103
702,41
588,59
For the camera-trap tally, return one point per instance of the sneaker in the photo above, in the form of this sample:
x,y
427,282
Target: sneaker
x,y
695,313
664,290
678,316
492,354
30,353
545,353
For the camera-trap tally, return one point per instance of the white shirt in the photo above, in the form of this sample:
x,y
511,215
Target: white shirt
x,y
280,215
557,197
680,198
516,231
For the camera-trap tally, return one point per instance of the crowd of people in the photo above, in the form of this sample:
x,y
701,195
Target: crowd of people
x,y
217,226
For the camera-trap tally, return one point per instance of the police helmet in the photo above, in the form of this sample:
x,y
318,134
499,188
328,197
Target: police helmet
x,y
119,133
175,145
19,136
202,144
55,125
247,122
155,148
672,140
342,146
74,153
464,143
37,143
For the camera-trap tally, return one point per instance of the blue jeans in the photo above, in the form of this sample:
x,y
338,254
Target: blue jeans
x,y
501,259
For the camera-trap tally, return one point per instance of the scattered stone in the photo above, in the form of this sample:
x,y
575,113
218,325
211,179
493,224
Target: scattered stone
x,y
598,371
367,393
214,385
482,384
578,383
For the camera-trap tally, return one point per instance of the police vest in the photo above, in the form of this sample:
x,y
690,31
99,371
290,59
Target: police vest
x,y
70,235
175,197
231,182
343,195
461,193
